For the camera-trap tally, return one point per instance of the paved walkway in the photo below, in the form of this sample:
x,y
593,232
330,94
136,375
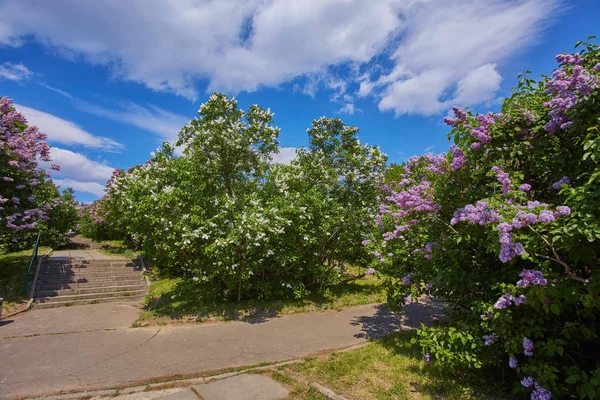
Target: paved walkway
x,y
81,254
92,347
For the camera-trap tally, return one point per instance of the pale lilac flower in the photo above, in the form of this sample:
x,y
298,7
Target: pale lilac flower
x,y
546,216
519,300
527,382
408,299
540,393
531,277
527,347
563,210
370,271
512,362
562,181
525,187
406,280
427,358
490,339
503,302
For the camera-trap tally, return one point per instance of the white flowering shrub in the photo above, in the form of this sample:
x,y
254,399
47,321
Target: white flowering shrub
x,y
232,222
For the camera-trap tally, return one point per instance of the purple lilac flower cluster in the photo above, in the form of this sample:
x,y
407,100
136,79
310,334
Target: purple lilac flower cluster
x,y
539,393
479,214
370,271
508,299
527,347
512,362
490,339
427,250
406,280
568,89
503,178
481,132
460,115
562,181
531,277
458,158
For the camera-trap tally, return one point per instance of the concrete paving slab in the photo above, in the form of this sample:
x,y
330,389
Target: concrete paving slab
x,y
149,395
71,319
185,394
243,387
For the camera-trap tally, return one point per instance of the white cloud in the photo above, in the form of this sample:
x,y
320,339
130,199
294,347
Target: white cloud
x,y
285,155
78,167
458,43
439,48
81,186
348,108
235,45
151,118
479,85
66,132
15,72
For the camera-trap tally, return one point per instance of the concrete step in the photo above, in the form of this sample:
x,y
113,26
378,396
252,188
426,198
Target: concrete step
x,y
91,282
82,285
75,261
89,274
91,290
111,270
90,266
89,301
89,296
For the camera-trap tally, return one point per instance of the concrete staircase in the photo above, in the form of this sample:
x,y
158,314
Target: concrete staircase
x,y
72,282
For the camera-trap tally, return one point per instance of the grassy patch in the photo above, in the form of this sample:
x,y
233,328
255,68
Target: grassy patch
x,y
118,248
175,300
13,268
392,368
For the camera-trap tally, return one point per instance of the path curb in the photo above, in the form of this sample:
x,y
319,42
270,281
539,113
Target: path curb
x,y
183,383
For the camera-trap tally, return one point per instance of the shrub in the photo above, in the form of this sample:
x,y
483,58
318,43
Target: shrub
x,y
506,227
232,222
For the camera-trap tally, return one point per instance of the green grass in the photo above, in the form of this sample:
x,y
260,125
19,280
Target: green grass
x,y
118,248
13,268
391,368
170,299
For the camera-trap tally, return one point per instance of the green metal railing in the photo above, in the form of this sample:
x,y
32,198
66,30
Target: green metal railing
x,y
31,261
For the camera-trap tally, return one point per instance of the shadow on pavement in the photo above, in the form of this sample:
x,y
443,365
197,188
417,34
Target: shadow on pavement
x,y
386,322
6,322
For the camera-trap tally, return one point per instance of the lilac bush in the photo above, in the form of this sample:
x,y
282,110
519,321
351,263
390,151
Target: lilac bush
x,y
27,195
514,210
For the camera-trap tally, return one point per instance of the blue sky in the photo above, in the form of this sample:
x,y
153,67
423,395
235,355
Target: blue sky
x,y
109,81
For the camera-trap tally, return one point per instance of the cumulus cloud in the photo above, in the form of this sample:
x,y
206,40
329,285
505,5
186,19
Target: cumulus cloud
x,y
77,166
410,56
87,187
348,108
66,132
15,72
457,43
285,155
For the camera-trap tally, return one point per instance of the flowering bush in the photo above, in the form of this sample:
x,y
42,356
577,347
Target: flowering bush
x,y
236,224
27,197
506,227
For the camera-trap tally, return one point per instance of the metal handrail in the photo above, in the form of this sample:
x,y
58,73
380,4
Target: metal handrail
x,y
31,261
